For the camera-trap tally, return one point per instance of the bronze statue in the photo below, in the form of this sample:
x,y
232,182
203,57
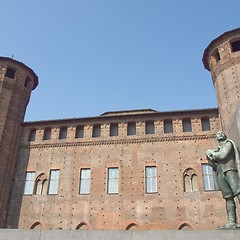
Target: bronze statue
x,y
226,163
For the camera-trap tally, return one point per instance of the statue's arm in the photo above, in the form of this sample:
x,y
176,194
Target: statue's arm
x,y
223,153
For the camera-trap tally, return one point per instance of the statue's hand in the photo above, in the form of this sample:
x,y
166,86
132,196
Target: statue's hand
x,y
209,154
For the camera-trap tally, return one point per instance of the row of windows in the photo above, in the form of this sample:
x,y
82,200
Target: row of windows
x,y
39,185
10,73
113,131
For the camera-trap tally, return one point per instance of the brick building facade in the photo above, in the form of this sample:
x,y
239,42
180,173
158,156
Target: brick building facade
x,y
139,169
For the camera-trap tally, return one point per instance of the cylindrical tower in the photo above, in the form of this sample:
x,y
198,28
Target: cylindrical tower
x,y
222,59
16,84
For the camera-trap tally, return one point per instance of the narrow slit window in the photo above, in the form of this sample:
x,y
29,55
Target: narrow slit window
x,y
27,83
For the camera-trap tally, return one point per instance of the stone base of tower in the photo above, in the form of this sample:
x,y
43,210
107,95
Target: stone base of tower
x,y
233,131
18,234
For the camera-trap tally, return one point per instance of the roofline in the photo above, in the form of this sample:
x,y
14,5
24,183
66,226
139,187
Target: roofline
x,y
206,52
99,118
25,66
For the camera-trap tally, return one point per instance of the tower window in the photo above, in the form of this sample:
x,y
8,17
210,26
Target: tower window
x,y
47,134
168,126
96,131
32,135
216,56
79,132
235,46
131,128
27,83
113,129
10,73
186,124
149,127
63,133
205,124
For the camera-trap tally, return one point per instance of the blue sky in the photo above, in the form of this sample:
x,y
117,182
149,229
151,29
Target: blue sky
x,y
94,56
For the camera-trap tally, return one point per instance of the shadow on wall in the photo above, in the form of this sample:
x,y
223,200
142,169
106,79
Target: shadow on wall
x,y
15,202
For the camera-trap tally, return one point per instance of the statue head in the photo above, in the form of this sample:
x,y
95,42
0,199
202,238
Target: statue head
x,y
221,136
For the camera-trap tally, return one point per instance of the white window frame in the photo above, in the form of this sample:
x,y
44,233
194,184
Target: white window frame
x,y
113,176
29,182
209,180
151,179
53,181
84,186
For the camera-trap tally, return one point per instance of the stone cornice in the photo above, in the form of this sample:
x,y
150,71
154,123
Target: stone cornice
x,y
121,141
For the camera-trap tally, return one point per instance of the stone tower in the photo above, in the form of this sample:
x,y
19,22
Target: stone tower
x,y
222,59
16,84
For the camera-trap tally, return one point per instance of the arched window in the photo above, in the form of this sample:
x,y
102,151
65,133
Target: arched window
x,y
184,226
36,226
41,184
82,226
190,180
131,226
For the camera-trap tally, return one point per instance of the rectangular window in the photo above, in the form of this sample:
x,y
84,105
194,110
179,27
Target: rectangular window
x,y
84,181
205,124
235,46
63,133
53,183
187,125
32,135
149,127
47,134
151,179
168,126
79,132
96,132
112,180
10,73
113,129
131,128
209,179
29,183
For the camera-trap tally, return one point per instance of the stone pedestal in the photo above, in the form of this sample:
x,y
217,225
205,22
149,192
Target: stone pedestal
x,y
7,234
